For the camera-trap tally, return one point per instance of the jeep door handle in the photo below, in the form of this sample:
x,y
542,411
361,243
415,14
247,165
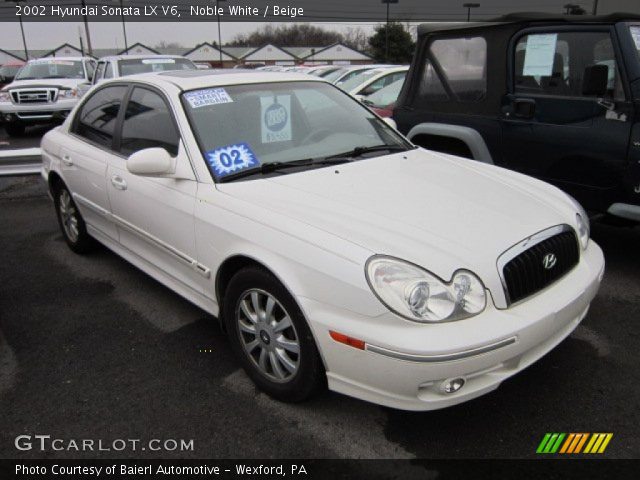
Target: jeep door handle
x,y
118,182
66,159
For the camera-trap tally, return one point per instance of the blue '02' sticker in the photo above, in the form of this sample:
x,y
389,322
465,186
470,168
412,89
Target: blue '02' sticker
x,y
231,159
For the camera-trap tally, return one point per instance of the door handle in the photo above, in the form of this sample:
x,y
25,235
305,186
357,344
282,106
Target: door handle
x,y
118,182
66,159
524,108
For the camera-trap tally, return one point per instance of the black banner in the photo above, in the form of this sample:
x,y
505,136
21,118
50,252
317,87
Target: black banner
x,y
284,10
541,469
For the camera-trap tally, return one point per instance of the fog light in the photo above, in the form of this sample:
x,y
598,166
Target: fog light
x,y
7,117
452,385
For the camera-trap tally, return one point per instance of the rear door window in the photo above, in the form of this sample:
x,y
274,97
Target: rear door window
x,y
96,119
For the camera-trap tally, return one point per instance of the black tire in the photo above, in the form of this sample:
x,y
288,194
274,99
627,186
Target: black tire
x,y
14,129
68,214
309,378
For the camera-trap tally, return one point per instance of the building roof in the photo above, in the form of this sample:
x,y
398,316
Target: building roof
x,y
14,54
236,53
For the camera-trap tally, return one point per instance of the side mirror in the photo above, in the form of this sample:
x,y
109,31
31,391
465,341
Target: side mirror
x,y
391,122
151,162
595,80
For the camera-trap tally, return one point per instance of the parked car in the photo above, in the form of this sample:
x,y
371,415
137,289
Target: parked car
x,y
324,70
345,73
555,97
125,65
383,101
8,71
370,81
331,249
43,91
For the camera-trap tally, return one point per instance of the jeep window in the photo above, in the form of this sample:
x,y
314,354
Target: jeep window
x,y
430,88
464,65
554,63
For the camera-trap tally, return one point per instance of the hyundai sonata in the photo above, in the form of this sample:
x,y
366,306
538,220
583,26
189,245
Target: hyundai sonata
x,y
332,250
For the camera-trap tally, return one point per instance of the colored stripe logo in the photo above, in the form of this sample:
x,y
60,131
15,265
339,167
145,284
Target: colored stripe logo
x,y
574,443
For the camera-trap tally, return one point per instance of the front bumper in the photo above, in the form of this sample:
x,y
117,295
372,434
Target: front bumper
x,y
405,364
36,113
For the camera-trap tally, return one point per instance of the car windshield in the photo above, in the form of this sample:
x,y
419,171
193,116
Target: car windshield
x,y
336,74
146,65
357,80
9,70
53,68
385,96
278,123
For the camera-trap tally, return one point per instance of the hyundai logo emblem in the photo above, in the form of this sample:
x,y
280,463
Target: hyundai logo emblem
x,y
549,261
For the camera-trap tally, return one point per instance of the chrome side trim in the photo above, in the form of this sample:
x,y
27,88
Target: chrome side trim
x,y
447,357
524,245
184,258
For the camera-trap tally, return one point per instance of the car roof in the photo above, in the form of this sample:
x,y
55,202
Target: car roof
x,y
527,17
195,79
138,57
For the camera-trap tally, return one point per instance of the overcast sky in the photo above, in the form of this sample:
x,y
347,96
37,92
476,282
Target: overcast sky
x,y
41,35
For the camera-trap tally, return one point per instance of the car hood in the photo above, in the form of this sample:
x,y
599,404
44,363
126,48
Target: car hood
x,y
441,212
46,82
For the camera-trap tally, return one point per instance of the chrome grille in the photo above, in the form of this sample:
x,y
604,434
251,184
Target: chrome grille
x,y
538,261
29,96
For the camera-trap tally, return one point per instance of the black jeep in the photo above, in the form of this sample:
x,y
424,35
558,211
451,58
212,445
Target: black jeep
x,y
557,98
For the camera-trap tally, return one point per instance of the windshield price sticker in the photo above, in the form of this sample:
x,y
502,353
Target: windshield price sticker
x,y
210,96
231,159
158,60
275,112
51,62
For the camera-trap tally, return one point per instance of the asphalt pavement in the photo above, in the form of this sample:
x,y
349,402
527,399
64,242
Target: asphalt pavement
x,y
90,347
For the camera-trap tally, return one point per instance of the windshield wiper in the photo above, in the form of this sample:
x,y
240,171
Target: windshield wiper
x,y
359,151
266,168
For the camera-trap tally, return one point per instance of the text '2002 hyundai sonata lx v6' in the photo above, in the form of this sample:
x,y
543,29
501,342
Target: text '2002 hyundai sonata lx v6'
x,y
333,251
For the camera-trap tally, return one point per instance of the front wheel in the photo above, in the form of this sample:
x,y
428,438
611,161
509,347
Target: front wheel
x,y
271,337
71,223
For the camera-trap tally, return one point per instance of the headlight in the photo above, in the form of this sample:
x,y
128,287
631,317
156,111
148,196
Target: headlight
x,y
583,229
5,97
418,295
70,93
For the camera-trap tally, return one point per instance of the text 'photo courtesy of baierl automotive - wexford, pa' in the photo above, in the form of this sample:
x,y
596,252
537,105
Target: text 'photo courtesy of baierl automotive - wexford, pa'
x,y
344,239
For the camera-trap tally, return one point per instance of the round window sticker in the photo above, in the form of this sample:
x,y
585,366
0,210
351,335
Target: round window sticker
x,y
275,118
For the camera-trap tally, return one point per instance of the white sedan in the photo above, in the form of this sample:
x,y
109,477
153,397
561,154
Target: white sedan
x,y
331,249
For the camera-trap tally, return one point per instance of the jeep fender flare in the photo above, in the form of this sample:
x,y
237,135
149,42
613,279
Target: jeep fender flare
x,y
468,135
